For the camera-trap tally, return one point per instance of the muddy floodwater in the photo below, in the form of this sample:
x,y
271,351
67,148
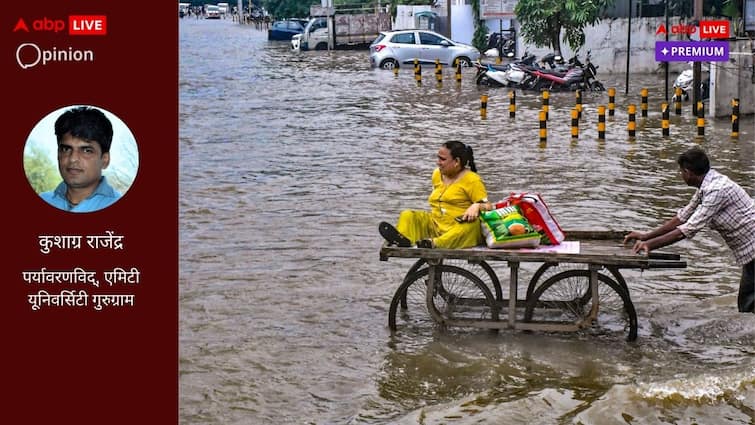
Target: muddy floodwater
x,y
289,161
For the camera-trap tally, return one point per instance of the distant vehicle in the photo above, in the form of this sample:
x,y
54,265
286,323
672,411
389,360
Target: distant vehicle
x,y
352,30
211,11
284,30
224,8
393,48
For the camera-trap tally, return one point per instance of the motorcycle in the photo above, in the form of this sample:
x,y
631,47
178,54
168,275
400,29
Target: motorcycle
x,y
590,77
503,46
576,76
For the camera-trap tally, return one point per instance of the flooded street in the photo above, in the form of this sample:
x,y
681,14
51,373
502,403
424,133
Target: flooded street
x,y
289,161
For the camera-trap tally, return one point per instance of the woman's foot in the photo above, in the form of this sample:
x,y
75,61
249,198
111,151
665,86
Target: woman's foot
x,y
393,236
425,243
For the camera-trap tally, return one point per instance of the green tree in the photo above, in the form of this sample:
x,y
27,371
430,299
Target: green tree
x,y
41,172
281,9
542,21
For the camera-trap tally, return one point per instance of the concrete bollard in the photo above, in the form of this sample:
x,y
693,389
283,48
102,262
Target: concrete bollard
x,y
578,105
678,101
574,123
601,122
700,119
611,101
644,103
735,118
395,70
546,101
665,119
417,71
632,124
458,71
438,71
543,126
484,106
512,104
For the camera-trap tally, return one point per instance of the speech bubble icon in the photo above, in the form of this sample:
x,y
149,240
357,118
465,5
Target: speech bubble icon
x,y
27,47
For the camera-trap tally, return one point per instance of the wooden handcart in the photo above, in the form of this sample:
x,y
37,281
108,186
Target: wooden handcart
x,y
569,291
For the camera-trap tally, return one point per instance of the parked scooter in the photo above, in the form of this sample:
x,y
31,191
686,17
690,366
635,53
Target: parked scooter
x,y
685,81
501,75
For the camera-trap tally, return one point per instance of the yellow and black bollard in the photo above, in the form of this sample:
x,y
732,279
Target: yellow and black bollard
x,y
578,105
546,101
543,127
632,124
601,122
417,71
484,106
644,103
458,71
665,119
678,101
700,119
611,101
574,123
512,104
395,70
438,71
735,118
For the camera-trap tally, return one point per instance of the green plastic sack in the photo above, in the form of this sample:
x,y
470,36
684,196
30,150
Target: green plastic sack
x,y
506,227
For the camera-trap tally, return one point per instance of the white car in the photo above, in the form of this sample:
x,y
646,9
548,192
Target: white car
x,y
394,48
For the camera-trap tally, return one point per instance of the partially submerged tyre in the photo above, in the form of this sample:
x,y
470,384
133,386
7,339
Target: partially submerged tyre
x,y
463,60
388,64
459,295
566,298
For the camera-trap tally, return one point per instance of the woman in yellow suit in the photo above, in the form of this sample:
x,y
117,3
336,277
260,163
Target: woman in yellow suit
x,y
458,197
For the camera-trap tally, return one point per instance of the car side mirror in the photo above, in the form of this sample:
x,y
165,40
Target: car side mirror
x,y
445,43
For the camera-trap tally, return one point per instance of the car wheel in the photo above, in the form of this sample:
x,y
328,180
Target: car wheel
x,y
321,46
388,64
464,61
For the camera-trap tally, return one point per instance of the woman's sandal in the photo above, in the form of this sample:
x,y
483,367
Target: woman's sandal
x,y
393,236
425,243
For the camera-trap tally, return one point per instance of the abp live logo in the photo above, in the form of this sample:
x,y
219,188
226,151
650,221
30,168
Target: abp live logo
x,y
77,25
708,29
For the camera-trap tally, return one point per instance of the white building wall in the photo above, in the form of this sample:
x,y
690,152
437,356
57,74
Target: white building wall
x,y
462,23
607,43
405,16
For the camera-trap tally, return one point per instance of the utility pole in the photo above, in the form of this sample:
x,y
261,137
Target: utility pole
x,y
629,44
448,18
665,64
696,67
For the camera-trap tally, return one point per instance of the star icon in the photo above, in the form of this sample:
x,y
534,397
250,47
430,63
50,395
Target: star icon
x,y
664,51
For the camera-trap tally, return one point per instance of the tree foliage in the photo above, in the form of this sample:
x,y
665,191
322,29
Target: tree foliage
x,y
40,171
281,9
542,21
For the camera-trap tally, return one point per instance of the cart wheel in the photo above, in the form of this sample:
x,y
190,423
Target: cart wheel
x,y
566,297
481,270
459,294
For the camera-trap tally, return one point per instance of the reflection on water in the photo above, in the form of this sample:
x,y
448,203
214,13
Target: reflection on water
x,y
288,162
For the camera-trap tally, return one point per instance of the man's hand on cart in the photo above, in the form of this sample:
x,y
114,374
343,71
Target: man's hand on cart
x,y
639,242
